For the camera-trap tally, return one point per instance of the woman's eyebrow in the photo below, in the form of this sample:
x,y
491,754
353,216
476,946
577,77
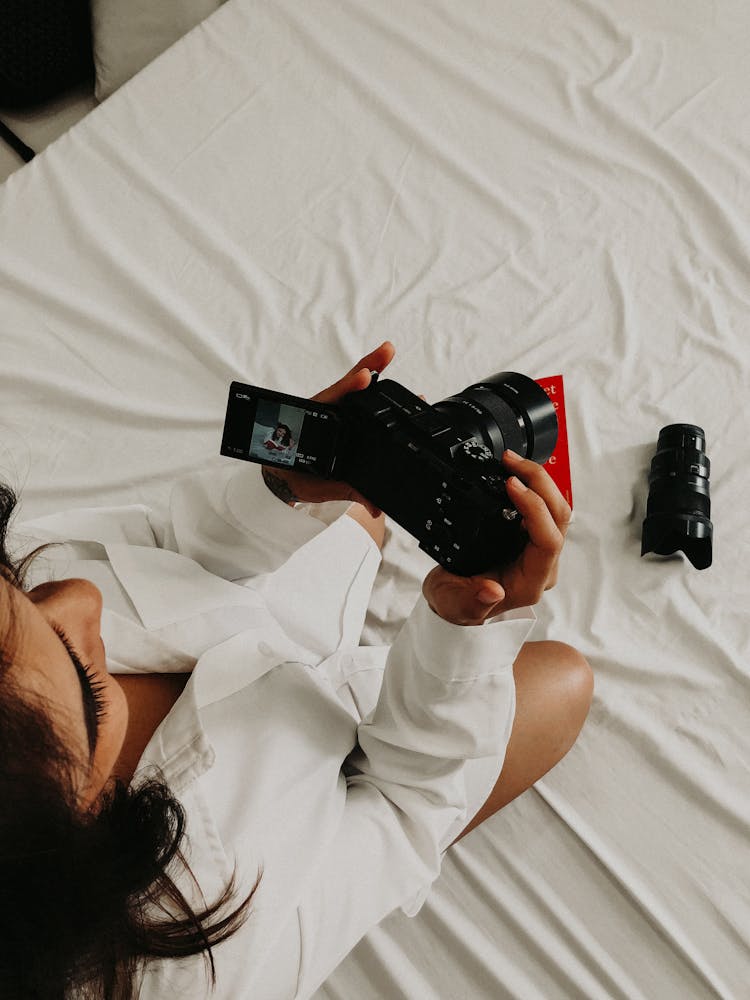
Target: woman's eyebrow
x,y
87,699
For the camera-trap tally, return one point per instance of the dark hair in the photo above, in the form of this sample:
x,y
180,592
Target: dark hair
x,y
287,435
77,886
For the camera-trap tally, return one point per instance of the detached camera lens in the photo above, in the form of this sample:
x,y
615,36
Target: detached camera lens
x,y
506,410
678,513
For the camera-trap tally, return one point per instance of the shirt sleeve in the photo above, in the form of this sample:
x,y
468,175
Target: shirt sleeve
x,y
226,519
448,695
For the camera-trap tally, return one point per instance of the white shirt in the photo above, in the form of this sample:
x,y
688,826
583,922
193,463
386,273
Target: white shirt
x,y
337,769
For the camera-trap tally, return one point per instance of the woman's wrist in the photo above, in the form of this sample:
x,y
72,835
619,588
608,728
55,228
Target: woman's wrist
x,y
278,484
374,526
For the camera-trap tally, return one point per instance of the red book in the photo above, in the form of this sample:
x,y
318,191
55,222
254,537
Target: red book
x,y
558,464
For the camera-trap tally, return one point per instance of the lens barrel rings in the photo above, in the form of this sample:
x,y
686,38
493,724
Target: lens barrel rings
x,y
678,513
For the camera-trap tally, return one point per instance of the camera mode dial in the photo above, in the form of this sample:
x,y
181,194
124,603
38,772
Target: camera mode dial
x,y
477,456
473,451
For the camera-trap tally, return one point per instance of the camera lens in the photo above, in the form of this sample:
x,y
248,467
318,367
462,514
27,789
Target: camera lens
x,y
679,505
506,410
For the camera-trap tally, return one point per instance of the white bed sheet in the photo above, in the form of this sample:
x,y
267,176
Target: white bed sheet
x,y
542,187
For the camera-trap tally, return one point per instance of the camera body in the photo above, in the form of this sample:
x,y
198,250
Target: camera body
x,y
435,469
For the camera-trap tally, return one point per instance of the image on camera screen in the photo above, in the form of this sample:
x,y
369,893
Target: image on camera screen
x,y
284,434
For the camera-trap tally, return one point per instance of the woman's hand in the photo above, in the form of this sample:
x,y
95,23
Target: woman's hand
x,y
299,487
470,600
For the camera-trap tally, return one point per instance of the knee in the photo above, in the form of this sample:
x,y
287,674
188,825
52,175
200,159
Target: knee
x,y
556,675
575,678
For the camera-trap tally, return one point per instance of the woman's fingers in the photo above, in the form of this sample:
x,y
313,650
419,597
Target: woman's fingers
x,y
457,599
359,376
546,517
351,382
540,524
376,360
539,480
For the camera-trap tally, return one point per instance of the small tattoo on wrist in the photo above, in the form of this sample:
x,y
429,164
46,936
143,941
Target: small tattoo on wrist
x,y
279,487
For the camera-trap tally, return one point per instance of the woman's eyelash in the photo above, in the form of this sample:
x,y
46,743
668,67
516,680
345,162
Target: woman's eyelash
x,y
96,686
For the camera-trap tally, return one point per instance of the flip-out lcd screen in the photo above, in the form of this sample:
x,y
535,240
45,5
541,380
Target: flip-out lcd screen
x,y
275,429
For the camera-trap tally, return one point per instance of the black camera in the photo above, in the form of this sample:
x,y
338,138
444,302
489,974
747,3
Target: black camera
x,y
435,469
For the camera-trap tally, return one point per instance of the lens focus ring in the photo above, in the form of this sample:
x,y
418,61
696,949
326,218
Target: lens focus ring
x,y
680,462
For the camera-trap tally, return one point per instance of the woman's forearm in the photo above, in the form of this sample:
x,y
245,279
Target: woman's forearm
x,y
374,526
278,484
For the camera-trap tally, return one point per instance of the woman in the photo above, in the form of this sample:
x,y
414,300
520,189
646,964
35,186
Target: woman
x,y
280,440
289,792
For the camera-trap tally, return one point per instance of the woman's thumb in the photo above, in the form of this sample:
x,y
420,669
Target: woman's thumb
x,y
357,377
489,594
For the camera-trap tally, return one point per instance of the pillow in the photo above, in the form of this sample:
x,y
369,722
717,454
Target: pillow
x,y
128,34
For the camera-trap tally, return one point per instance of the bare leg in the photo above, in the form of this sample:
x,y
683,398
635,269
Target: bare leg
x,y
554,687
